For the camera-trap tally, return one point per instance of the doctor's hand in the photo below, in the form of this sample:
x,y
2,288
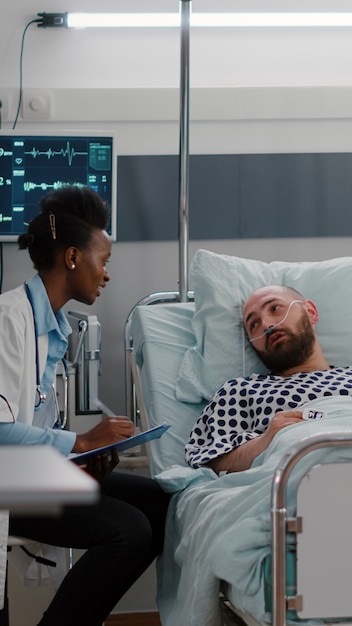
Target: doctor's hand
x,y
108,431
101,466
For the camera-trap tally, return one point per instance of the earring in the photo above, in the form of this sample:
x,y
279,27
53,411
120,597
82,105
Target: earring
x,y
73,266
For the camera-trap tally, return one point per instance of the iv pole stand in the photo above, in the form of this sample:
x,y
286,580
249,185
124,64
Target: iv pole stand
x,y
185,9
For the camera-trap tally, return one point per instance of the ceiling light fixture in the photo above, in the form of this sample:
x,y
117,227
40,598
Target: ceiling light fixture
x,y
204,20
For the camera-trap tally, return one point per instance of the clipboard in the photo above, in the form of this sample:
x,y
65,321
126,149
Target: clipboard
x,y
121,446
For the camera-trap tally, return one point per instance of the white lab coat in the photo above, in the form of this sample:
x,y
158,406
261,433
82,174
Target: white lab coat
x,y
17,341
17,371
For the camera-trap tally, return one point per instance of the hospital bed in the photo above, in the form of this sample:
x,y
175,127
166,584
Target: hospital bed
x,y
272,544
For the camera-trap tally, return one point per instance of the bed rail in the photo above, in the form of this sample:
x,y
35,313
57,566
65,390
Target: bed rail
x,y
280,522
159,297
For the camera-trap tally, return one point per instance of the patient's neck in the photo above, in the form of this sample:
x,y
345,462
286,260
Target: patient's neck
x,y
316,362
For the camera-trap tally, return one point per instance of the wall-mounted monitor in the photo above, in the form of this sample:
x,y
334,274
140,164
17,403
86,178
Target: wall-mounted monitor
x,y
32,164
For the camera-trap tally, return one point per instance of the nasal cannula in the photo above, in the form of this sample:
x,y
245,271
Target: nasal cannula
x,y
271,329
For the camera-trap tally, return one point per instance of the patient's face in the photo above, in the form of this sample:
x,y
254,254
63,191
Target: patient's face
x,y
292,337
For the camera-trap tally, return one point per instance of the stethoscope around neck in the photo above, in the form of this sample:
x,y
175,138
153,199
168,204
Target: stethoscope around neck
x,y
41,396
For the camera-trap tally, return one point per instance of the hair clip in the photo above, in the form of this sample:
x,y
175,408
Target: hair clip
x,y
52,225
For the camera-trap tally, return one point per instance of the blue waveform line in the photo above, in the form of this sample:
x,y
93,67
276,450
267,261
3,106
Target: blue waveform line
x,y
30,186
50,153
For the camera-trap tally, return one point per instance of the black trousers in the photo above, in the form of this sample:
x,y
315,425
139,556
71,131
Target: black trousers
x,y
122,535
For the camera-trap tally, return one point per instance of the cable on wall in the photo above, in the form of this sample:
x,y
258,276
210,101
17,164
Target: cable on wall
x,y
21,71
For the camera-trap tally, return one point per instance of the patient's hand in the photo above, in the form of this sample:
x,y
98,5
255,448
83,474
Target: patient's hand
x,y
280,420
242,457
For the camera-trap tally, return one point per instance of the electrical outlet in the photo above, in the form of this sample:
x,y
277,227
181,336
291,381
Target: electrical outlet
x,y
36,104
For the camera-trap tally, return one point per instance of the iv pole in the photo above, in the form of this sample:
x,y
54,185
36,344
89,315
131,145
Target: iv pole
x,y
185,9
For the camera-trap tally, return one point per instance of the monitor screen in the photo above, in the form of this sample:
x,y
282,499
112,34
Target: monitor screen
x,y
32,164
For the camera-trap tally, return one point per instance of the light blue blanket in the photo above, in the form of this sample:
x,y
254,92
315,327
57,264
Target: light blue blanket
x,y
219,529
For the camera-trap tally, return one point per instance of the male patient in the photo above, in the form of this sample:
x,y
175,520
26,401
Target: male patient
x,y
246,413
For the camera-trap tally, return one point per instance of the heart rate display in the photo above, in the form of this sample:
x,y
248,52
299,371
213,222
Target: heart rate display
x,y
32,165
63,152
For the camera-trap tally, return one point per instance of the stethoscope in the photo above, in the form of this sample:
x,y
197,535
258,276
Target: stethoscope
x,y
41,396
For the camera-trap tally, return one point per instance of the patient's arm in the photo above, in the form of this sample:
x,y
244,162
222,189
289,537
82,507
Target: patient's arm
x,y
242,457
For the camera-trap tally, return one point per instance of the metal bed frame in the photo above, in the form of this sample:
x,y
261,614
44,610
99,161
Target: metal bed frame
x,y
135,408
281,523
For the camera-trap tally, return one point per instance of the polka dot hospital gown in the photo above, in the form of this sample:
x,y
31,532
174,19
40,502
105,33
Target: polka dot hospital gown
x,y
243,408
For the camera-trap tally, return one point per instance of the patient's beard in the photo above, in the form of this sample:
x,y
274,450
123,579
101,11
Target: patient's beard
x,y
294,351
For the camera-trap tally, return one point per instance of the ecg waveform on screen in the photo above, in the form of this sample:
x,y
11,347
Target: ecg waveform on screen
x,y
68,152
31,186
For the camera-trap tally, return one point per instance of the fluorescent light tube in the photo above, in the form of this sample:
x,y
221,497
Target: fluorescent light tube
x,y
215,20
122,20
270,20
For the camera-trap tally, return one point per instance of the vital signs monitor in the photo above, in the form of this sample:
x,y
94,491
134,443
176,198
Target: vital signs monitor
x,y
32,164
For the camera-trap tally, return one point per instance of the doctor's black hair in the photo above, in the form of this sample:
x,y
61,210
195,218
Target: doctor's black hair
x,y
68,218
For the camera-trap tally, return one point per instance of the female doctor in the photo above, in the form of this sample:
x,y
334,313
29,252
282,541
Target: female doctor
x,y
121,535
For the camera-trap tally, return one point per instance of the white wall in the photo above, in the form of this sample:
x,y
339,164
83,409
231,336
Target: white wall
x,y
251,91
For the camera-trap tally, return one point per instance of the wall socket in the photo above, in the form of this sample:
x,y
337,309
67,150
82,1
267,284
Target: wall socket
x,y
36,104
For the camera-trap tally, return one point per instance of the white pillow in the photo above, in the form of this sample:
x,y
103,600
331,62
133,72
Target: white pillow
x,y
221,285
